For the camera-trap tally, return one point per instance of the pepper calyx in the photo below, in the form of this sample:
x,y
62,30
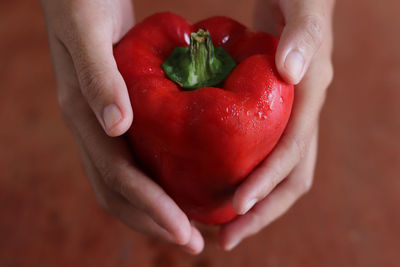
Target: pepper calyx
x,y
199,64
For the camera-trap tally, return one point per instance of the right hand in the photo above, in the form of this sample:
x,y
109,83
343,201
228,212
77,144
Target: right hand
x,y
81,36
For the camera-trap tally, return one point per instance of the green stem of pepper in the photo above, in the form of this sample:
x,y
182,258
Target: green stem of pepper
x,y
200,64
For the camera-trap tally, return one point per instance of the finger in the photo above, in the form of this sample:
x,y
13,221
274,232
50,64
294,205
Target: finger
x,y
90,43
117,206
278,165
310,95
113,159
196,243
307,23
274,205
134,218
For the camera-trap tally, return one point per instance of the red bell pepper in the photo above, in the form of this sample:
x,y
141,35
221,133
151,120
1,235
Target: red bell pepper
x,y
201,133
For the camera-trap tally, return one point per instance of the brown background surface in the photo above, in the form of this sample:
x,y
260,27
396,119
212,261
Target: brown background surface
x,y
351,217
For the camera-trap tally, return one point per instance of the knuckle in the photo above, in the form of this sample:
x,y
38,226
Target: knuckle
x,y
323,72
305,185
274,178
314,30
328,74
64,101
109,205
67,102
257,223
111,178
105,204
300,145
326,78
91,84
270,178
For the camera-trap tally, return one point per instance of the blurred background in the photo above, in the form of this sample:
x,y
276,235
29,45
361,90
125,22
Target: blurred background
x,y
351,217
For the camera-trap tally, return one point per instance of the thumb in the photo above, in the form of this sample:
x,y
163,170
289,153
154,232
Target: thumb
x,y
301,38
101,83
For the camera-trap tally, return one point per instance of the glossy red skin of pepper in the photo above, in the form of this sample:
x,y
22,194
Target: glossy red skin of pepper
x,y
199,145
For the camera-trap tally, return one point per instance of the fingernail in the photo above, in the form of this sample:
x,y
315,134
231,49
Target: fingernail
x,y
248,206
294,64
232,245
111,116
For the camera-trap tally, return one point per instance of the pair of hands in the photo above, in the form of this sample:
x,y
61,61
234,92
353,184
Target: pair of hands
x,y
95,104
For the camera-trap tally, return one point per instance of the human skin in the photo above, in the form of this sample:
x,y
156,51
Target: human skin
x,y
95,105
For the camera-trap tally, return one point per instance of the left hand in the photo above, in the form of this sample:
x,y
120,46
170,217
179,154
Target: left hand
x,y
95,105
303,58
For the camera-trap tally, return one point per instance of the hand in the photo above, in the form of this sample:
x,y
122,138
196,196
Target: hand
x,y
303,58
81,37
